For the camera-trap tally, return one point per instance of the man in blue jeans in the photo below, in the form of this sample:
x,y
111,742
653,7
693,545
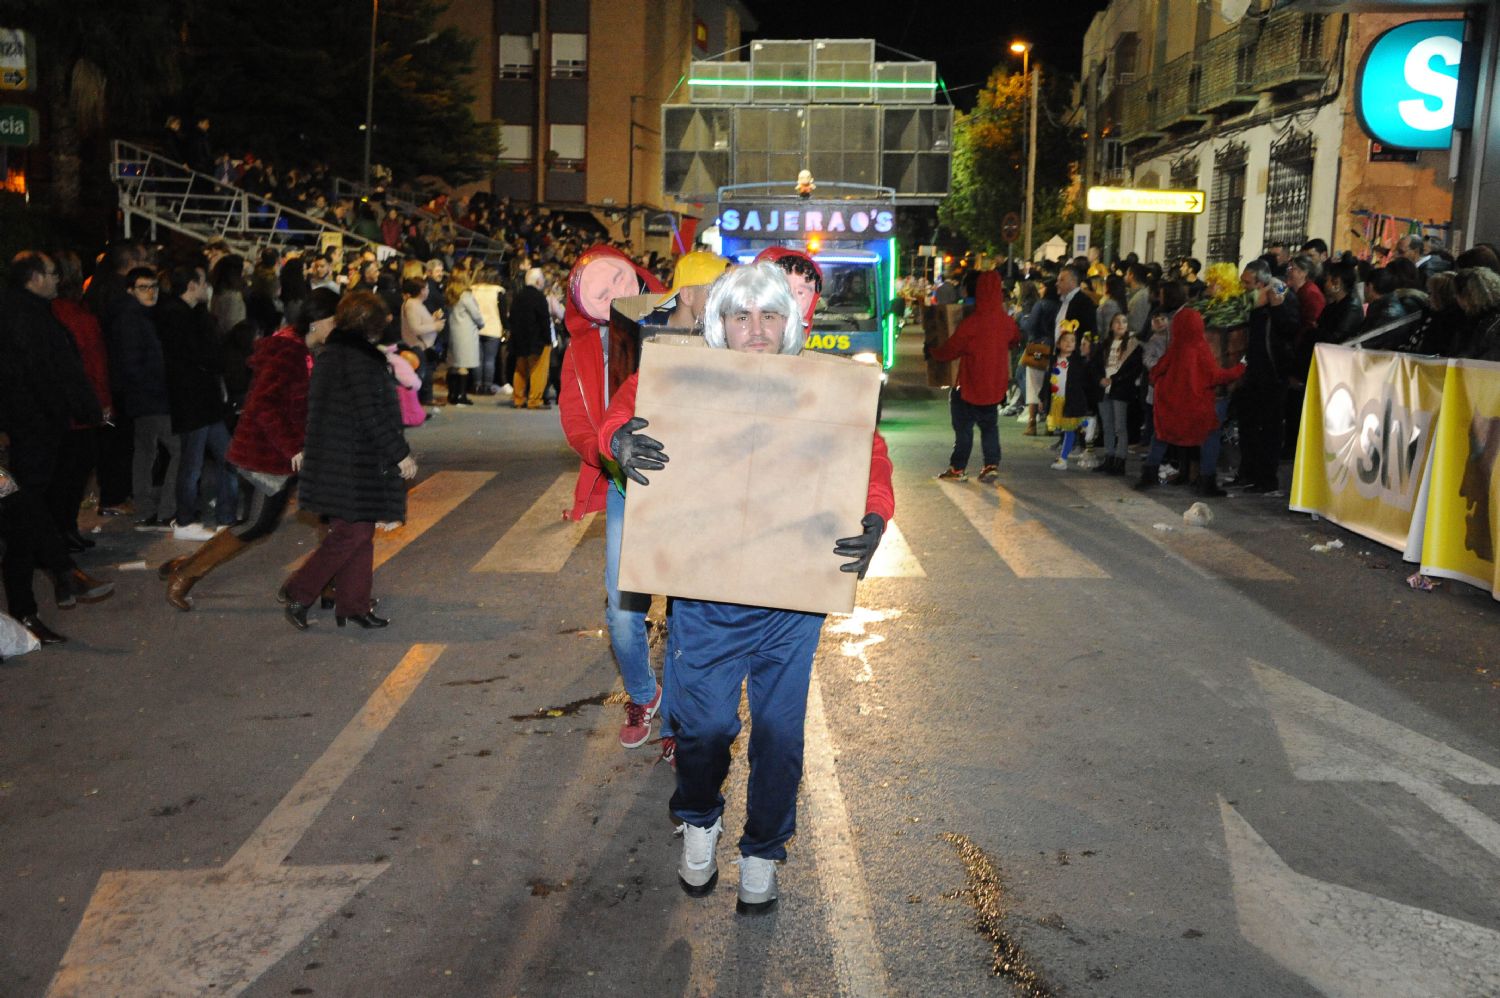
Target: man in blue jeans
x,y
198,399
625,616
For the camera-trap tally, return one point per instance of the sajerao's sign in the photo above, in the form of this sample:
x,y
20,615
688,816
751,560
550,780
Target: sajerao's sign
x,y
796,221
1407,89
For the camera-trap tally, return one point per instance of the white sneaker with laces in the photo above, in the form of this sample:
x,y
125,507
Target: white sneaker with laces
x,y
192,532
1061,464
698,871
757,885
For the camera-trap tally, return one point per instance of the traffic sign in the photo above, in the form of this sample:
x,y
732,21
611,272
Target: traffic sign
x,y
1131,199
17,126
1010,227
17,51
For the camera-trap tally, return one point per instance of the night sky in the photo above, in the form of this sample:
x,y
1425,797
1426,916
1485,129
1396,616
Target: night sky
x,y
966,39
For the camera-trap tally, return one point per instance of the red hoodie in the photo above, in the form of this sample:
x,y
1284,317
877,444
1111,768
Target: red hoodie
x,y
982,343
880,498
580,400
1184,379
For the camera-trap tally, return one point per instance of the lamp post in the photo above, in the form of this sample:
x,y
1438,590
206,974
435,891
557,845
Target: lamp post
x,y
370,90
1023,49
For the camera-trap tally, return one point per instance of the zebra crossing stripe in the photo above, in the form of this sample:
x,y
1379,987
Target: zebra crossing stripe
x,y
1022,541
541,541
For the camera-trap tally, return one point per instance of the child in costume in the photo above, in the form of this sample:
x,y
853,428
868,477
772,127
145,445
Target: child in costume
x,y
1070,403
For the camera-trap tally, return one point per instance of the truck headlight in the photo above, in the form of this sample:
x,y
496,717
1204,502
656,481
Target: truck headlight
x,y
866,357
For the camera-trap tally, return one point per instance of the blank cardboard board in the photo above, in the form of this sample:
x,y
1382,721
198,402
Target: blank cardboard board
x,y
769,466
938,323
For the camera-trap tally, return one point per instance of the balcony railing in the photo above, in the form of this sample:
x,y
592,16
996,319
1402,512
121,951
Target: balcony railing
x,y
1177,86
1227,83
1138,115
1294,50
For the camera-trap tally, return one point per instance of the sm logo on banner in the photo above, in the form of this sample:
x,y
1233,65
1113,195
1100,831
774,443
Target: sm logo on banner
x,y
1407,88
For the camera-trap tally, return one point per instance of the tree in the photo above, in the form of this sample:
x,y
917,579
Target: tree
x,y
286,79
989,165
104,67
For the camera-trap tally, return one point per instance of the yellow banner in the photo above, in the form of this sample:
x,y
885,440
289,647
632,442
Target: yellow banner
x,y
1463,498
1365,439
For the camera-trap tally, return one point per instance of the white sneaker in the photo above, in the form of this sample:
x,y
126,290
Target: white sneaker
x,y
757,885
507,389
698,871
192,532
1061,464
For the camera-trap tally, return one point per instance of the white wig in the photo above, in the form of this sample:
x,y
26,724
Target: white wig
x,y
536,279
758,285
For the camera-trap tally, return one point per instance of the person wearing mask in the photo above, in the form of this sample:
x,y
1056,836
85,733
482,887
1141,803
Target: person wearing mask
x,y
192,350
981,344
715,648
43,391
355,464
268,439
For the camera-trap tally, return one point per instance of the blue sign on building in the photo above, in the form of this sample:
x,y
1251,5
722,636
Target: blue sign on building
x,y
1407,89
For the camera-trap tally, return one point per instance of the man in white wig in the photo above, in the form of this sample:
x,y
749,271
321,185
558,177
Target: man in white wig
x,y
712,648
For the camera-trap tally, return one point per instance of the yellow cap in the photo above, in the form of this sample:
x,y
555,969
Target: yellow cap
x,y
693,270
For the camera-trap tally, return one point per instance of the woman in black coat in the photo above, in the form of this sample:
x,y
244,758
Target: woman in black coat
x,y
355,463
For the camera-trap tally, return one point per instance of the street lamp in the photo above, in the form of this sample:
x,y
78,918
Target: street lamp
x,y
370,90
1023,49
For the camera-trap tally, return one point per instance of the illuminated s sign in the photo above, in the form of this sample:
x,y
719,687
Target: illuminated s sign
x,y
1407,88
1130,199
795,222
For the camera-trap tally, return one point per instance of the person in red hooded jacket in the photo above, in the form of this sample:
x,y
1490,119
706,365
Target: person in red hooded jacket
x,y
1185,412
598,360
981,344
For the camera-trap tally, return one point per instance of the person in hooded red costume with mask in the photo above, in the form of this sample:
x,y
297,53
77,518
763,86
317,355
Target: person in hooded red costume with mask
x,y
802,273
598,361
981,344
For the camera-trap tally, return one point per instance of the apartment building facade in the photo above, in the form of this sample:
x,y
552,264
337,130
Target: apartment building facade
x,y
1259,112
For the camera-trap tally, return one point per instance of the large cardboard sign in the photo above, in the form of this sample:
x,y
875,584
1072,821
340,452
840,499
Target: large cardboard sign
x,y
769,466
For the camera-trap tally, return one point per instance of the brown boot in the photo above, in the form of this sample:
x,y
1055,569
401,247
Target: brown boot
x,y
220,548
165,569
1030,430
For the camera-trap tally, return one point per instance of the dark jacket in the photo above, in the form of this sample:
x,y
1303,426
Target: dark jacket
x,y
354,439
1339,322
1082,310
1270,346
194,363
530,323
43,388
137,369
1124,385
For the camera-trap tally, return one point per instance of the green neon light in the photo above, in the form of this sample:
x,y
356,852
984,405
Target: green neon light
x,y
893,318
815,84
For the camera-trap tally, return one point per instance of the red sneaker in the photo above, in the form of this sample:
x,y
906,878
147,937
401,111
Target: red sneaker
x,y
637,727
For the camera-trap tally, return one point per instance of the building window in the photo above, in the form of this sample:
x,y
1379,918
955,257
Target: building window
x,y
1226,217
1289,189
570,56
568,145
515,143
516,59
1181,229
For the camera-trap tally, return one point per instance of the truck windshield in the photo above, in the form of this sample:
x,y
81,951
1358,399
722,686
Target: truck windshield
x,y
848,299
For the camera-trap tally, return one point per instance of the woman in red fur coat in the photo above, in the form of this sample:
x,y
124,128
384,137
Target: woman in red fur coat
x,y
267,445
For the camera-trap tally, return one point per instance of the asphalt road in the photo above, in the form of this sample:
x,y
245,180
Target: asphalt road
x,y
1123,760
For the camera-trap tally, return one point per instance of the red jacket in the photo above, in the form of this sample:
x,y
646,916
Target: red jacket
x,y
274,422
580,399
1185,379
981,344
880,497
84,328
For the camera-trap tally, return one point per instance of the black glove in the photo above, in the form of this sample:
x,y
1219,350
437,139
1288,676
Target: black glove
x,y
861,549
635,451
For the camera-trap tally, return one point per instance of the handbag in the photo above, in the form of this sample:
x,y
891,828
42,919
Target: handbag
x,y
1036,356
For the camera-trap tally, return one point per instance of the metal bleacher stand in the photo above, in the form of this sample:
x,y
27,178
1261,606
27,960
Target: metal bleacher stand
x,y
164,194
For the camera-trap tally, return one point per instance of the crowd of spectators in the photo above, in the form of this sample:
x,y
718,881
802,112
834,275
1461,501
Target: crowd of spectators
x,y
1168,361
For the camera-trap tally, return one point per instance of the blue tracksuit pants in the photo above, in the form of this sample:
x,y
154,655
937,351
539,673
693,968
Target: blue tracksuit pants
x,y
713,648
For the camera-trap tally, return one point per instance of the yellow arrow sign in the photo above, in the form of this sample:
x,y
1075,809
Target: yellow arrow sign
x,y
1130,199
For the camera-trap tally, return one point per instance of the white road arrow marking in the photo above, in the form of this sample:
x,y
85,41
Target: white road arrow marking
x,y
1330,739
1349,944
195,932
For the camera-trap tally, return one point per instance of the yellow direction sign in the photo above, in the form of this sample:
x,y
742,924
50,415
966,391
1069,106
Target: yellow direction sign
x,y
1130,199
17,55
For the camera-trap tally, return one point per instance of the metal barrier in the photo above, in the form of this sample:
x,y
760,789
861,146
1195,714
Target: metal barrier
x,y
170,195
